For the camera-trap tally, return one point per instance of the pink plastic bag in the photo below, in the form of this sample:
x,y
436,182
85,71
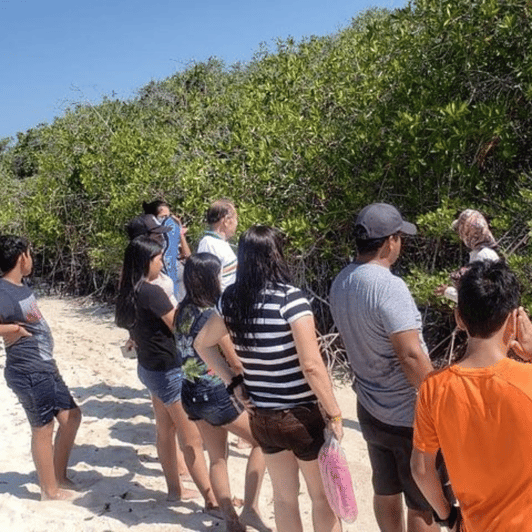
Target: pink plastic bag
x,y
337,479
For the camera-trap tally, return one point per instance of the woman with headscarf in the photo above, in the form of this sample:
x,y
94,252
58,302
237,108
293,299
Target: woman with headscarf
x,y
474,231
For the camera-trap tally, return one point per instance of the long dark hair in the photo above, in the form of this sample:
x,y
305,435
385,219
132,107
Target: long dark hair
x,y
201,277
137,258
261,264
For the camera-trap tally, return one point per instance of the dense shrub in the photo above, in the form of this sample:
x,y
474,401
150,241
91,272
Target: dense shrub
x,y
427,107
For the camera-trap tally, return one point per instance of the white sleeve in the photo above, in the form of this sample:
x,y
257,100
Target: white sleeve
x,y
485,254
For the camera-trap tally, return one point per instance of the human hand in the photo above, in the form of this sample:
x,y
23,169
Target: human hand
x,y
335,426
241,395
12,337
522,345
440,290
130,344
184,230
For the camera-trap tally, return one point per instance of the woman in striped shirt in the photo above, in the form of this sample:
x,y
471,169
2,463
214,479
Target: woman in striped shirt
x,y
272,327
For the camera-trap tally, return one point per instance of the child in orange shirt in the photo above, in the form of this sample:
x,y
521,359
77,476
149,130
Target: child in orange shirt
x,y
479,412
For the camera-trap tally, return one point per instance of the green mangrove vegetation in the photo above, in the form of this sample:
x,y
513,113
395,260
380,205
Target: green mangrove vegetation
x,y
428,107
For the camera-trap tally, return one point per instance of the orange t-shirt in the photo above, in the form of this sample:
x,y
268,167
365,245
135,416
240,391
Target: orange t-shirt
x,y
481,418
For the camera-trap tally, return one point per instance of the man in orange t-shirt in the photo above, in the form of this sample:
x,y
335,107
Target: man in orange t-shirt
x,y
479,411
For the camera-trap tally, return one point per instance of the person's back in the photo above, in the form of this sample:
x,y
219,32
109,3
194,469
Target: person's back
x,y
368,304
380,326
479,411
483,421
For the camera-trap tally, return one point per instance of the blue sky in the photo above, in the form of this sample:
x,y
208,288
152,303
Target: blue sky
x,y
55,52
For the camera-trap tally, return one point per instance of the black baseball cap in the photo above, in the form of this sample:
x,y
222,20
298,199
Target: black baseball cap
x,y
379,220
145,224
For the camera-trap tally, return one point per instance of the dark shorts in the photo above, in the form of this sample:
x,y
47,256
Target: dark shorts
x,y
390,449
210,402
165,385
298,429
42,395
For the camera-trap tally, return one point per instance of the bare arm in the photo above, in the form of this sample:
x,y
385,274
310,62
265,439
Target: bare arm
x,y
206,345
12,332
315,372
228,349
185,248
423,466
414,361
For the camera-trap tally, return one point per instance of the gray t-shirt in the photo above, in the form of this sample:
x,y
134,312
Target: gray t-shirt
x,y
368,305
33,353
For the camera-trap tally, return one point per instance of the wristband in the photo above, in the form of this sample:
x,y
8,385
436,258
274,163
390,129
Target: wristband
x,y
454,515
335,418
235,381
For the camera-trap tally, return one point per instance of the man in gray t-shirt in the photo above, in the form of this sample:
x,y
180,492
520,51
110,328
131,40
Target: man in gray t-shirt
x,y
380,326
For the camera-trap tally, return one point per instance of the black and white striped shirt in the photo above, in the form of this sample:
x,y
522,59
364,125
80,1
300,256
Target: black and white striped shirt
x,y
272,372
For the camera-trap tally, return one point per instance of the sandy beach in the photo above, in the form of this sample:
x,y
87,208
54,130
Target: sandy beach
x,y
114,461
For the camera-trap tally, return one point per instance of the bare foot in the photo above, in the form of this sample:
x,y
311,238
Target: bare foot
x,y
184,495
59,495
67,484
250,517
213,511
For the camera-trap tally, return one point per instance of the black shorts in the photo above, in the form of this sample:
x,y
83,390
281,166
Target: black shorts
x,y
298,429
390,449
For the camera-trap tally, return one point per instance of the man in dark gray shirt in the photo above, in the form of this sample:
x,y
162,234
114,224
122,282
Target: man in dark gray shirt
x,y
381,329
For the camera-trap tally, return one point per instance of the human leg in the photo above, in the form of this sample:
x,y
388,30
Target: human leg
x,y
41,394
69,421
181,465
389,512
418,521
389,449
191,444
255,469
215,439
43,457
284,474
167,452
256,465
323,517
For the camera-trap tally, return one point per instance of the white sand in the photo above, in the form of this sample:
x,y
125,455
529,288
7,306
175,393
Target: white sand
x,y
114,459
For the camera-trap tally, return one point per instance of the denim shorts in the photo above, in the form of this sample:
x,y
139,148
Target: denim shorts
x,y
165,385
209,401
42,395
389,449
298,429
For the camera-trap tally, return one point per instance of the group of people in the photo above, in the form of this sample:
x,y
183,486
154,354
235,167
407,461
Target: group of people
x,y
469,423
239,353
226,343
